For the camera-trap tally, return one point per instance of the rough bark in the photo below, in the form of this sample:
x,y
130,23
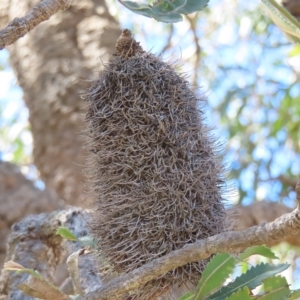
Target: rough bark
x,y
52,64
35,244
19,198
261,212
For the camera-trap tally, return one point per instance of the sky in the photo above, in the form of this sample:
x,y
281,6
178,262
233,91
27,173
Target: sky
x,y
234,59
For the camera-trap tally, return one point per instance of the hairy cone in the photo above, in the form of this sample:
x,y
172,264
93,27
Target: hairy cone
x,y
155,169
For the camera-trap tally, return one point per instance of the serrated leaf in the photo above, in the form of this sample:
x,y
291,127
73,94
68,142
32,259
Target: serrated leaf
x,y
66,233
252,278
166,10
188,296
274,282
295,295
241,294
275,288
284,20
216,272
259,250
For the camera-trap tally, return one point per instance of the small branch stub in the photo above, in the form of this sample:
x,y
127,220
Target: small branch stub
x,y
126,45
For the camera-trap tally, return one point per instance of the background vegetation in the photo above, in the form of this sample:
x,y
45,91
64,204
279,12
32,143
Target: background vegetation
x,y
248,71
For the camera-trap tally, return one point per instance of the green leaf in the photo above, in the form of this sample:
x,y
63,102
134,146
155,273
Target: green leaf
x,y
193,6
19,151
188,296
274,282
150,12
88,241
295,51
252,278
167,6
284,20
259,250
243,294
75,297
275,288
166,10
66,233
294,295
244,267
216,272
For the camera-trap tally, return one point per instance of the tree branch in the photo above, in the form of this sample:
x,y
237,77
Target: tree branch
x,y
18,27
193,24
169,39
231,241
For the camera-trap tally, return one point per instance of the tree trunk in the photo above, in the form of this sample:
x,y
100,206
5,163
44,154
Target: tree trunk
x,y
19,198
54,64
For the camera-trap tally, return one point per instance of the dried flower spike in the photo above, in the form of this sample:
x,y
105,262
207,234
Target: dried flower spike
x,y
156,172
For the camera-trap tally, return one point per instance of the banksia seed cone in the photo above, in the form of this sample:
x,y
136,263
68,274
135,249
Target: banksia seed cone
x,y
155,169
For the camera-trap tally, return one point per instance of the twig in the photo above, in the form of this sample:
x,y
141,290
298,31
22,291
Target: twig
x,y
193,22
168,43
18,27
72,263
231,241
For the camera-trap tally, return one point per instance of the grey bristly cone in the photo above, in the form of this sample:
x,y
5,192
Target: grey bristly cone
x,y
157,176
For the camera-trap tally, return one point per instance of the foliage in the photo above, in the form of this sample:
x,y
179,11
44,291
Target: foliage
x,y
169,11
255,96
86,241
39,287
283,19
36,285
212,285
66,233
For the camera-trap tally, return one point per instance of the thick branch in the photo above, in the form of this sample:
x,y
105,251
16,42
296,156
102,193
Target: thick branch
x,y
18,27
34,244
232,241
60,53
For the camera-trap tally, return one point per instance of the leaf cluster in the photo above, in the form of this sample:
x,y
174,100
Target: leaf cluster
x,y
212,285
168,11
